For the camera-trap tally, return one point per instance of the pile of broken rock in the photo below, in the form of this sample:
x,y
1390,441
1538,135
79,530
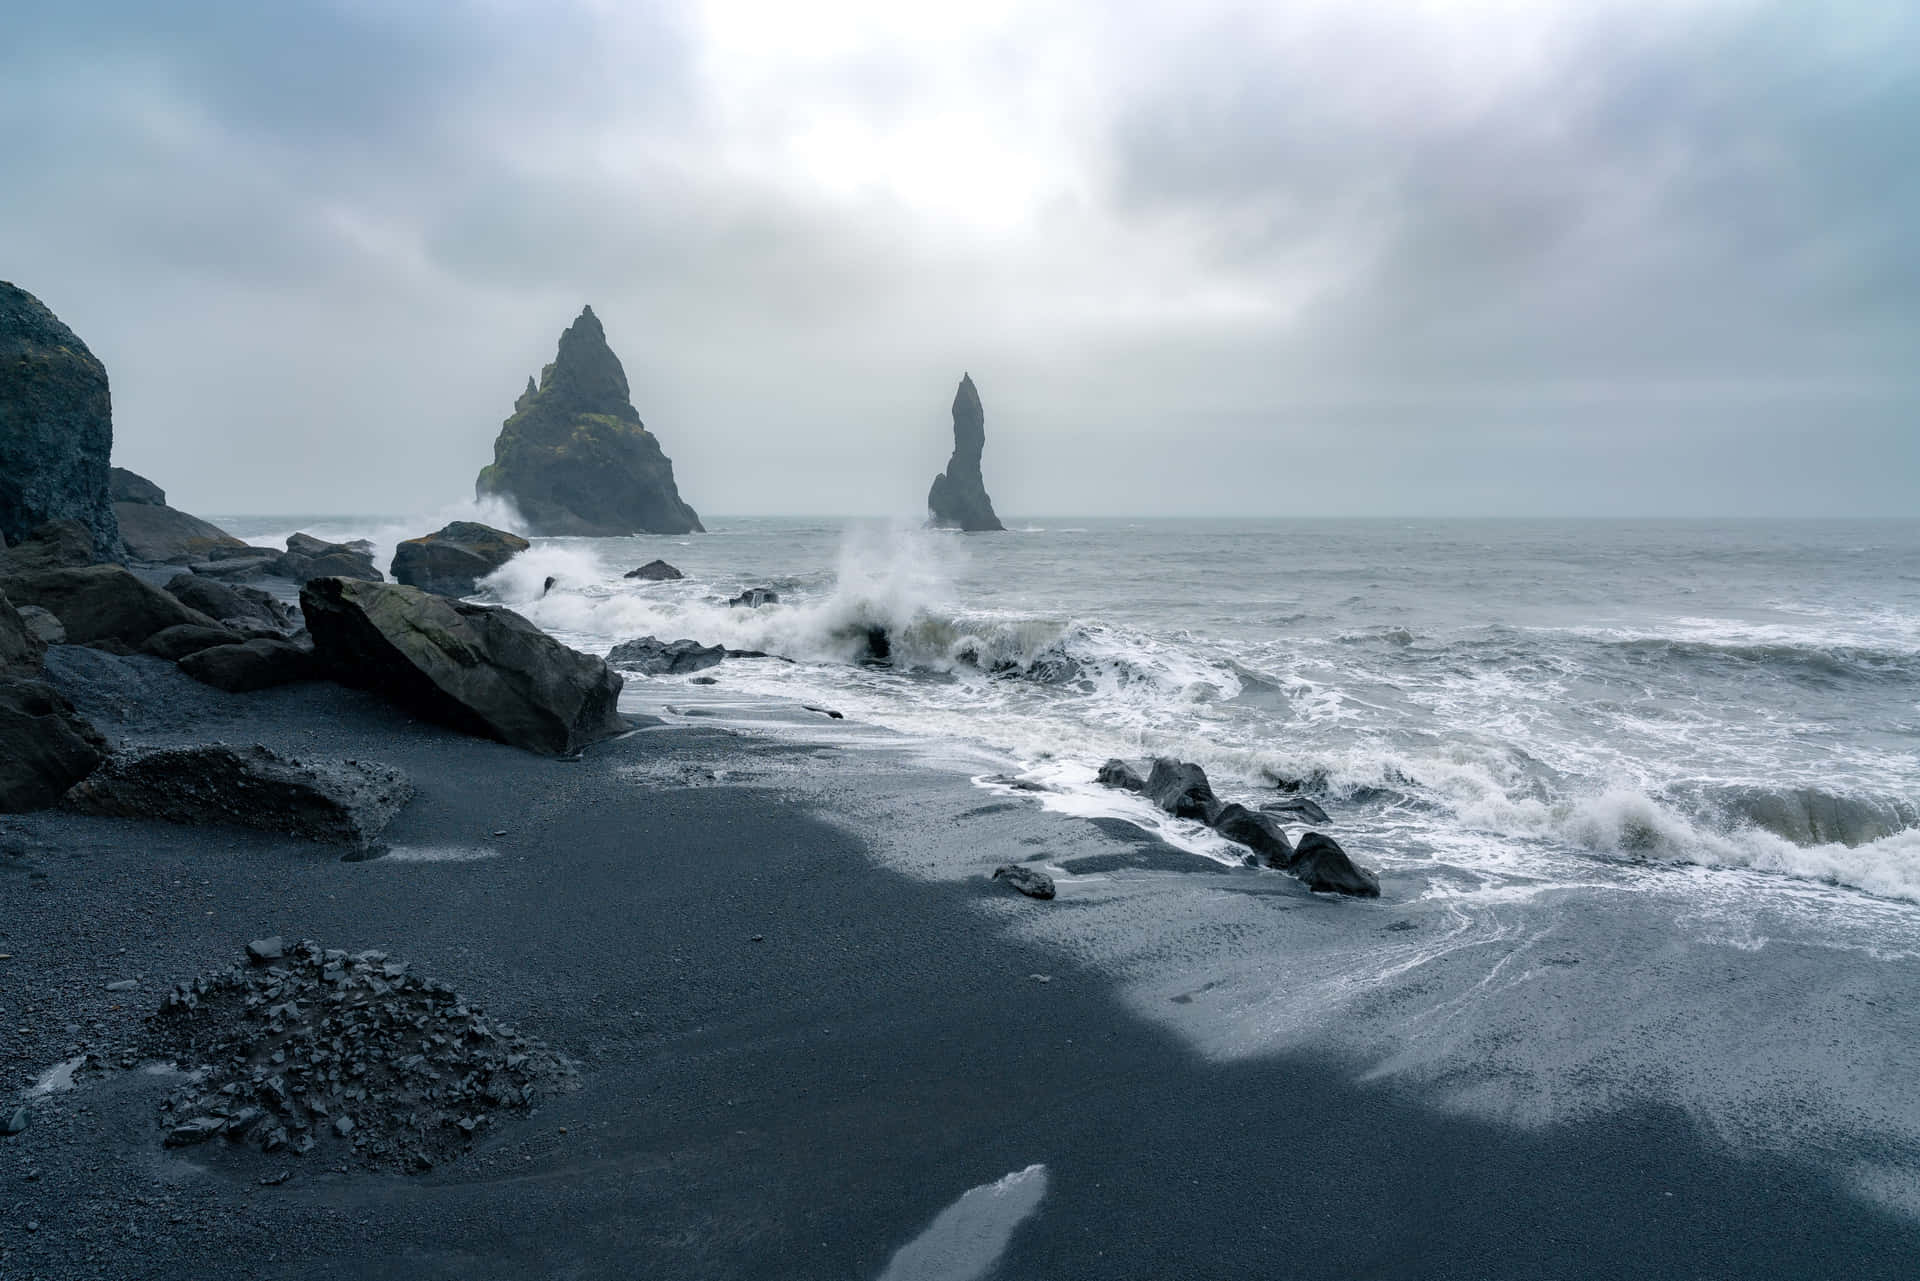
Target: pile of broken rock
x,y
308,1046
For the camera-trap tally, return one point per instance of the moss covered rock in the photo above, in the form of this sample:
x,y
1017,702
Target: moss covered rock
x,y
575,458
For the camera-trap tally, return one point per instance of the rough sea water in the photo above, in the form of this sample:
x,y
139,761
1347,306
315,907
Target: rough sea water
x,y
1644,796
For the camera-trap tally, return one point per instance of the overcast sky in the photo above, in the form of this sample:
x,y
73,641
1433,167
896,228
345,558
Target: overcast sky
x,y
1343,258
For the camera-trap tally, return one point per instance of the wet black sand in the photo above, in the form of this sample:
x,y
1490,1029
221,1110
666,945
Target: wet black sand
x,y
800,1106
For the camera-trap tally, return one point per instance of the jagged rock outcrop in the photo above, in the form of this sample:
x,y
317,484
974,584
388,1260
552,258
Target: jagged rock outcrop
x,y
575,458
241,608
308,557
45,746
103,605
156,533
453,560
480,669
56,426
958,499
58,544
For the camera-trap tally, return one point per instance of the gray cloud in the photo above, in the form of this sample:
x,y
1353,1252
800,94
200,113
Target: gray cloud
x,y
1613,258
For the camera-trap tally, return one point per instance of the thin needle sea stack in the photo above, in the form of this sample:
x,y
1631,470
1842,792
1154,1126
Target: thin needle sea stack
x,y
958,499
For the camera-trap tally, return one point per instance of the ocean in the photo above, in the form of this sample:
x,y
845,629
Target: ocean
x,y
1492,699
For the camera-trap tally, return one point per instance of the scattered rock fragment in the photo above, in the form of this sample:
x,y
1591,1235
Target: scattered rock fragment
x,y
1029,882
266,951
14,1123
350,1054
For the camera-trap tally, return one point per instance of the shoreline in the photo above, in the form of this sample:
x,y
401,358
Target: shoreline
x,y
802,1105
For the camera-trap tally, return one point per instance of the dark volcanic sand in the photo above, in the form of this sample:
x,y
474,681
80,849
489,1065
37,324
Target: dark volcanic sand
x,y
796,1107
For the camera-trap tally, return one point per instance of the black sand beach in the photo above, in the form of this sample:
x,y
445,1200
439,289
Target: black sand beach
x,y
792,1058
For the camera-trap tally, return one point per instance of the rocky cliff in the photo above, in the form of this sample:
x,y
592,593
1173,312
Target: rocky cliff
x,y
958,499
575,457
56,426
156,533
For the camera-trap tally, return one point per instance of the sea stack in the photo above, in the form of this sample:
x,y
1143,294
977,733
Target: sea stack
x,y
56,427
575,458
958,499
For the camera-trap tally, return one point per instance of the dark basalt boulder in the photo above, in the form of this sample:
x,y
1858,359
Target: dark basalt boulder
x,y
45,746
56,427
21,645
1117,773
1259,833
156,534
451,561
755,597
480,669
102,603
335,802
1029,882
575,458
655,571
1306,809
175,643
125,486
1323,865
44,625
308,558
58,544
1181,789
259,663
655,657
958,499
230,605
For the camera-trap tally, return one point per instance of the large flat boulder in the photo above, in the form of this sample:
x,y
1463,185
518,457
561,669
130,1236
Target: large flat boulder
x,y
453,560
229,604
58,544
336,802
102,603
260,663
56,427
45,746
161,535
477,668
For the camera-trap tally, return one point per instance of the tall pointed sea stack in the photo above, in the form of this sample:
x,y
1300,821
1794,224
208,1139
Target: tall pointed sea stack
x,y
575,457
958,499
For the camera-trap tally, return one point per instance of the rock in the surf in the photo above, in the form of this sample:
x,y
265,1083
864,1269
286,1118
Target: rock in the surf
x,y
655,571
1259,833
575,458
45,745
1321,863
654,657
452,561
1300,805
308,558
958,498
259,663
102,604
56,427
1117,773
334,802
755,597
478,668
1181,789
1029,882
